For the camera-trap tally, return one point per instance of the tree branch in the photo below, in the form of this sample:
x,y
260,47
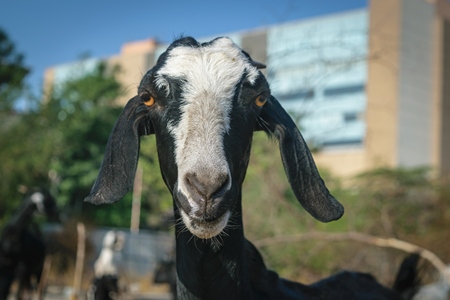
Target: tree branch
x,y
362,238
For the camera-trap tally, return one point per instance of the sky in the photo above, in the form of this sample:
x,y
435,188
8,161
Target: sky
x,y
52,32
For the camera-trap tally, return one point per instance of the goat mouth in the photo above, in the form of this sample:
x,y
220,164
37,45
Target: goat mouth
x,y
205,229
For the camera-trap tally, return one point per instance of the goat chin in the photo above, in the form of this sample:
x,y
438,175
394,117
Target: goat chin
x,y
204,229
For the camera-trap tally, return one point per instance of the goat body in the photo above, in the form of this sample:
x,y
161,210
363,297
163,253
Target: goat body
x,y
203,101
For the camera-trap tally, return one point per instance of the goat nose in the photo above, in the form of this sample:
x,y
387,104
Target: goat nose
x,y
206,186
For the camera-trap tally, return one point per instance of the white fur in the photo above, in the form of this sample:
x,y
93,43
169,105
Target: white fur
x,y
38,199
110,259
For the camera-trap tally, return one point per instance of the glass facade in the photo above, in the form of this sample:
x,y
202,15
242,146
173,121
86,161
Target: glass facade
x,y
66,72
318,71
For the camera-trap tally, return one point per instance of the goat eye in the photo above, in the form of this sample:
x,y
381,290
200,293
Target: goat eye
x,y
147,99
260,101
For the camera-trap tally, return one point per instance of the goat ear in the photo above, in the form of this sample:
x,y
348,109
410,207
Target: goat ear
x,y
299,165
118,168
257,64
253,62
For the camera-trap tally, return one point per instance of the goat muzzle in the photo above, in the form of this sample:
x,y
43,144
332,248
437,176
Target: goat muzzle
x,y
207,188
205,203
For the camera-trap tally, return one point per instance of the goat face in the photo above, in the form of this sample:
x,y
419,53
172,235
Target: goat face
x,y
209,113
45,203
203,102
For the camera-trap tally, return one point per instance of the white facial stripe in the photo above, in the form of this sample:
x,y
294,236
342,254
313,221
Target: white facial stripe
x,y
38,199
210,76
222,57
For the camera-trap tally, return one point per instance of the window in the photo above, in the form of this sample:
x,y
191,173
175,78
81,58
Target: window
x,y
350,142
343,90
351,117
297,95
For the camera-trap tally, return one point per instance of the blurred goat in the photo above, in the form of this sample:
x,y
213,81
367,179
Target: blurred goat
x,y
22,246
107,267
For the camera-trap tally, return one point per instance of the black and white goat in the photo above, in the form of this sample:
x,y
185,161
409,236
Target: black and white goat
x,y
203,101
108,267
22,247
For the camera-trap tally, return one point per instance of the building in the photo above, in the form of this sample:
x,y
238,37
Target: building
x,y
367,86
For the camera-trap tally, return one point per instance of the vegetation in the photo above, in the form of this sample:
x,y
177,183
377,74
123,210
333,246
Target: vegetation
x,y
407,204
12,74
59,144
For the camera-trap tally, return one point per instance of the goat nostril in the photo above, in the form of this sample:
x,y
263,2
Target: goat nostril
x,y
193,183
207,187
221,185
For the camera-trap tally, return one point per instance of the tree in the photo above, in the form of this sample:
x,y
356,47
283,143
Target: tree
x,y
79,116
59,145
12,73
83,113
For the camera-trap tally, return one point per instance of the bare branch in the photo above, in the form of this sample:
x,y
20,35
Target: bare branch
x,y
362,238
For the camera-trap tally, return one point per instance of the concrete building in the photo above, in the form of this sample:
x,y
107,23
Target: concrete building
x,y
367,86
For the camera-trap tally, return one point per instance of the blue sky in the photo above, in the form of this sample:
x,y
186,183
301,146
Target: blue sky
x,y
51,32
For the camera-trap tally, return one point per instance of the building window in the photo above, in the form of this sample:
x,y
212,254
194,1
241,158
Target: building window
x,y
350,117
343,90
349,142
297,95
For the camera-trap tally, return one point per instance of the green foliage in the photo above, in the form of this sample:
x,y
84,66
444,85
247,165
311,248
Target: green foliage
x,y
84,110
12,73
409,204
156,199
115,215
80,114
402,200
60,144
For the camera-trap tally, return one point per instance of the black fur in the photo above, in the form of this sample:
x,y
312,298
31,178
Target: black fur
x,y
301,170
105,287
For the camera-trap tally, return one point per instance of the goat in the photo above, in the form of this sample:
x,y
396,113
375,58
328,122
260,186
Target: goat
x,y
438,290
108,266
22,247
203,101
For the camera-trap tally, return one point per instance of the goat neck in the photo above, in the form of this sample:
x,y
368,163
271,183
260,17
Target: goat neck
x,y
213,268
